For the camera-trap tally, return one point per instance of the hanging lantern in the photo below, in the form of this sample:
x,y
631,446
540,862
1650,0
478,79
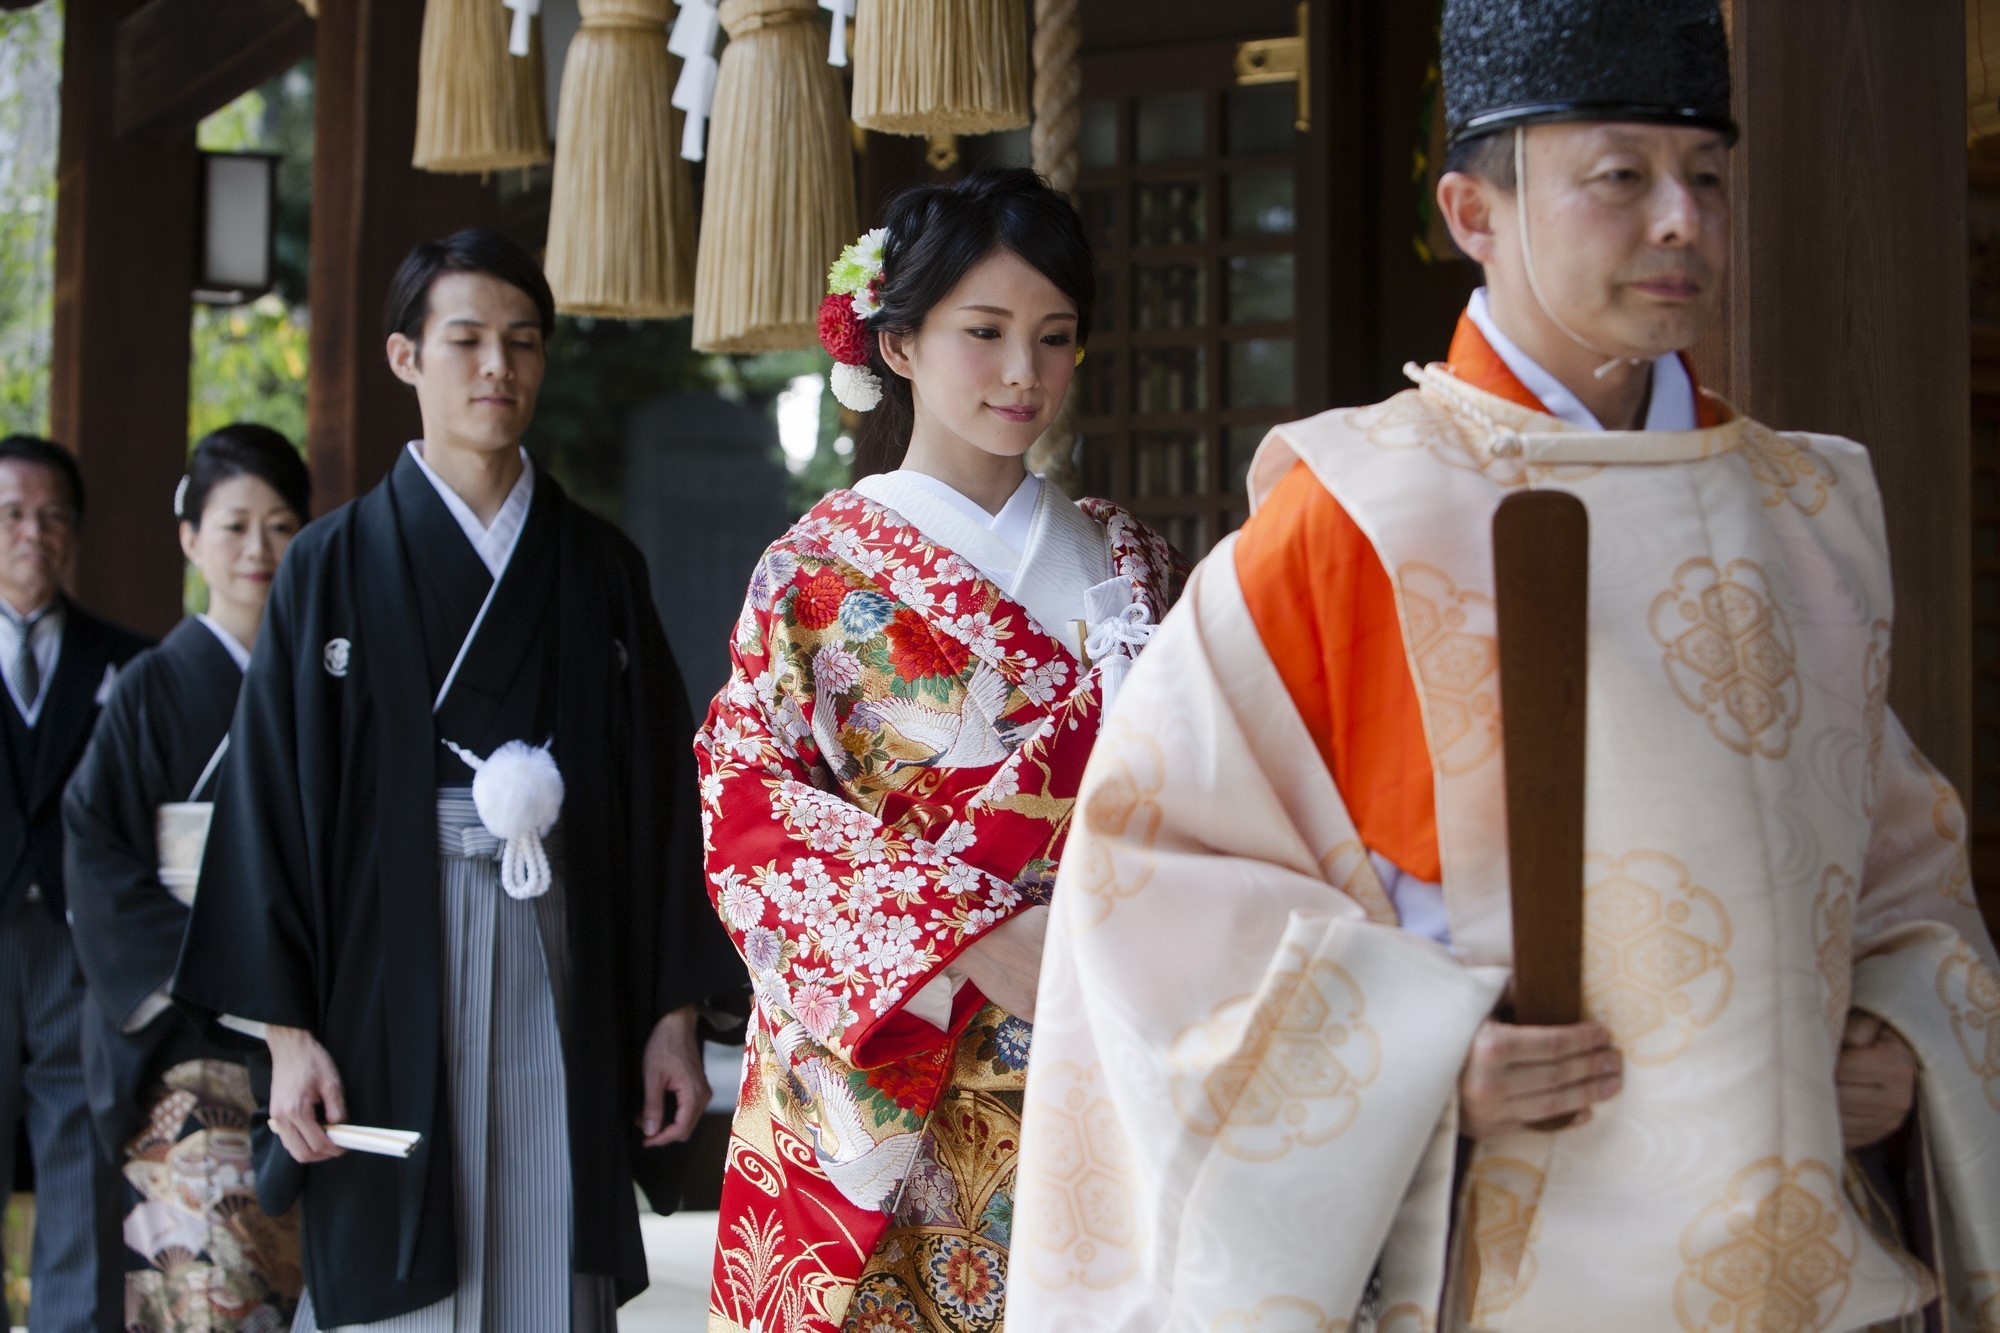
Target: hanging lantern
x,y
480,106
779,203
941,66
621,221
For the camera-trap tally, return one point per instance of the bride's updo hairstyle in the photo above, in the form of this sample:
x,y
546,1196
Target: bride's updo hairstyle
x,y
938,234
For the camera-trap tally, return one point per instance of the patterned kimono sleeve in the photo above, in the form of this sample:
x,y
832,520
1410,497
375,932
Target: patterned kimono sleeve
x,y
1923,962
841,916
1917,869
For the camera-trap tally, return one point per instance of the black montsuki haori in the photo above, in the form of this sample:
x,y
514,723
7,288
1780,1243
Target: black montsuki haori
x,y
319,902
1526,62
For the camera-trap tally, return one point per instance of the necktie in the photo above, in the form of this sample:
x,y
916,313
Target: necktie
x,y
27,670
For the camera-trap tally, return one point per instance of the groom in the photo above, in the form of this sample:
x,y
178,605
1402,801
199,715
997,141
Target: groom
x,y
530,1024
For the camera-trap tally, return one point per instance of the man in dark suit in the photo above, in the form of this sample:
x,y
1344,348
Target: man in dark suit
x,y
58,662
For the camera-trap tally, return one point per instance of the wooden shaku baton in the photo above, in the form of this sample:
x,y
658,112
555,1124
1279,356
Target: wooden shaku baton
x,y
1541,575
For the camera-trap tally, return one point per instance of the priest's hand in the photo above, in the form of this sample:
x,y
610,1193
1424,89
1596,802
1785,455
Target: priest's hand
x,y
304,1085
1006,962
672,1063
1875,1079
1517,1077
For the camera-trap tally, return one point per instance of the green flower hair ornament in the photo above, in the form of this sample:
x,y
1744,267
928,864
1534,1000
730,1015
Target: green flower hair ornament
x,y
857,271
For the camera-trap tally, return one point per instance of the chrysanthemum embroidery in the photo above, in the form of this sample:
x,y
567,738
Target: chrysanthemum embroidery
x,y
742,905
917,653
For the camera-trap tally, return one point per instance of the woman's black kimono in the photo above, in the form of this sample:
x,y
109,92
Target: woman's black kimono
x,y
167,714
319,902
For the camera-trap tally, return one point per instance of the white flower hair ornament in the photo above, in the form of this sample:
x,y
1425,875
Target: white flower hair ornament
x,y
853,298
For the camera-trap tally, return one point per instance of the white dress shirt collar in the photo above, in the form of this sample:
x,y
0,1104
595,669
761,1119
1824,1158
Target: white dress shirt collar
x,y
46,639
1672,406
230,644
495,544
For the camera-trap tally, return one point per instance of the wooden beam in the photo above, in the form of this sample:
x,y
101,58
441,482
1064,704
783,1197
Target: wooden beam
x,y
118,393
1847,307
180,60
369,207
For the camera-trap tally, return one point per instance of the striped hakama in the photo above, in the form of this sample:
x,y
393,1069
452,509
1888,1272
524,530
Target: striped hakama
x,y
506,971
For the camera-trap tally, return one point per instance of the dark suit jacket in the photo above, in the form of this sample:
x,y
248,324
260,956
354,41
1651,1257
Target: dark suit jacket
x,y
31,834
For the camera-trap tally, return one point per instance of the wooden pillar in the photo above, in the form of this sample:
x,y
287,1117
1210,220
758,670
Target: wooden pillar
x,y
369,207
118,393
1847,308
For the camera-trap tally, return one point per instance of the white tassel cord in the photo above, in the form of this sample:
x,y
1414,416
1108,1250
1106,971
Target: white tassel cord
x,y
524,16
693,40
1127,632
1528,262
1114,642
518,791
836,46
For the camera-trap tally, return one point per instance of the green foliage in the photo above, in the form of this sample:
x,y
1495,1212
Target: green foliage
x,y
248,364
30,74
237,128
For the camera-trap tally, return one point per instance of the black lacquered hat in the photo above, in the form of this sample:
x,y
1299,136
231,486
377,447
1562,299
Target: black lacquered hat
x,y
1528,62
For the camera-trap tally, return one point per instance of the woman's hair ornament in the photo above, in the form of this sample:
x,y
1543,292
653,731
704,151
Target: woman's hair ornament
x,y
851,301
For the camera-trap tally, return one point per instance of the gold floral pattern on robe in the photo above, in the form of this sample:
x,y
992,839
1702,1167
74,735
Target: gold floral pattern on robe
x,y
1730,655
1971,995
1281,1314
1503,1198
1286,1067
1455,652
1777,1252
1788,470
1655,954
1833,941
942,1266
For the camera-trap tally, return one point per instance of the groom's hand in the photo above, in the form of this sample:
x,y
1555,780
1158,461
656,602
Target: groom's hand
x,y
304,1084
672,1063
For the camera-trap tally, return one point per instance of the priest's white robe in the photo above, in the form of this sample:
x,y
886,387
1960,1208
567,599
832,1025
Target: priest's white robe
x,y
1241,1098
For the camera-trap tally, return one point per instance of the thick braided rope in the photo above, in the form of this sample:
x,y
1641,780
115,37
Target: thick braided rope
x,y
1058,90
1058,125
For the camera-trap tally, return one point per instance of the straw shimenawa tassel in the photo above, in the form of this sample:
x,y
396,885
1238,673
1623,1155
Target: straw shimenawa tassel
x,y
478,107
621,219
779,202
941,66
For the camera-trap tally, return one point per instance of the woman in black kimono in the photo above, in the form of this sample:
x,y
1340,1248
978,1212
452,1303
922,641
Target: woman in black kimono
x,y
171,1103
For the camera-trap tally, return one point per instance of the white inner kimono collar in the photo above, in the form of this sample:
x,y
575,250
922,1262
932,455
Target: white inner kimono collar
x,y
493,544
1061,557
1672,407
1009,528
